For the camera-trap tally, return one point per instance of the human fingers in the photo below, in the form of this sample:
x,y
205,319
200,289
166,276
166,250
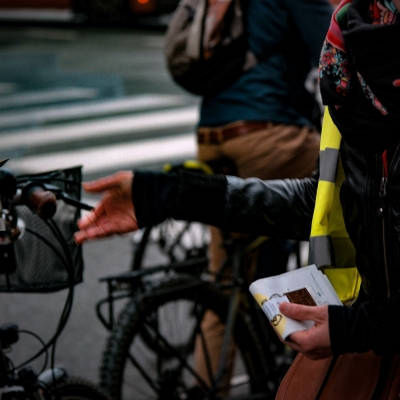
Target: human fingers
x,y
89,219
95,224
108,182
301,312
93,215
313,343
104,227
80,237
94,232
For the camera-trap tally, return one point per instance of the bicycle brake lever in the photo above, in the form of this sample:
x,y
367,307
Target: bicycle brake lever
x,y
73,202
60,195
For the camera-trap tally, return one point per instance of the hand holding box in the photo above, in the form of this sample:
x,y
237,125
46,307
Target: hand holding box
x,y
306,285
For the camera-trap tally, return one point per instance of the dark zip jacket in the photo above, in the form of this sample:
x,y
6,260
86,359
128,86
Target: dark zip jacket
x,y
370,197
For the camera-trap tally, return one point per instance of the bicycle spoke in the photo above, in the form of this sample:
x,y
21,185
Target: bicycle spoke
x,y
145,376
160,332
175,351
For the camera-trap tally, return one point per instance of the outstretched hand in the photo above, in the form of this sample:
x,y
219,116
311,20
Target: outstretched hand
x,y
114,214
315,342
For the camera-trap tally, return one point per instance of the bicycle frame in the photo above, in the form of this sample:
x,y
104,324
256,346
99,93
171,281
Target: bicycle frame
x,y
240,295
125,285
134,283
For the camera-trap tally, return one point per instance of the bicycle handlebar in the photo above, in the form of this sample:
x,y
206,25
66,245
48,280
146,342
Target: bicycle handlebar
x,y
43,202
38,195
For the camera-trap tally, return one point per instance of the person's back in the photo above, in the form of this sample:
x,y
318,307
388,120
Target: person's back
x,y
287,38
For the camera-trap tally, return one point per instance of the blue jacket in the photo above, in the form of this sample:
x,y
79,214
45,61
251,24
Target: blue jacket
x,y
288,37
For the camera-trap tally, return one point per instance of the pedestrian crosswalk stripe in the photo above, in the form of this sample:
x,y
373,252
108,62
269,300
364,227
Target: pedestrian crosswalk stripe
x,y
99,159
7,87
47,96
99,128
42,115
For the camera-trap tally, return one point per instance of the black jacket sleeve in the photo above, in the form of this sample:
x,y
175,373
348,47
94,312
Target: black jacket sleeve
x,y
280,208
184,195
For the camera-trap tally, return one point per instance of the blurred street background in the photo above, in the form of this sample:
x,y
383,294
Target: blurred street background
x,y
95,95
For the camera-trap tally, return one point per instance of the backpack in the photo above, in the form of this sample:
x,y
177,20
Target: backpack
x,y
206,46
206,51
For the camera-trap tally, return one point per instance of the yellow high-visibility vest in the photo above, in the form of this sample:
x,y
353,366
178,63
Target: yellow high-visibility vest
x,y
331,249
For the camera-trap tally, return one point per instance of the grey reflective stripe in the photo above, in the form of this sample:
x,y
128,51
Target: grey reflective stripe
x,y
328,164
336,252
321,251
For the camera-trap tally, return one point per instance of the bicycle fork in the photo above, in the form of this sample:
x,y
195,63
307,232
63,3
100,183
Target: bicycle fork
x,y
230,323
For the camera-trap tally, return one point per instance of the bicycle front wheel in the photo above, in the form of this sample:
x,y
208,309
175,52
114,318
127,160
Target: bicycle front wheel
x,y
173,312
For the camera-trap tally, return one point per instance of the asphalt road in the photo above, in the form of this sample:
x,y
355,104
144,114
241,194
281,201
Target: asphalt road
x,y
97,97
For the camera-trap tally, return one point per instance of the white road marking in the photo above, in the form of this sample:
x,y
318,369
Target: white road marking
x,y
41,115
125,155
47,96
99,128
7,87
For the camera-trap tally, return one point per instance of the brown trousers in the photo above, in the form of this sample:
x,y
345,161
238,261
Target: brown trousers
x,y
277,152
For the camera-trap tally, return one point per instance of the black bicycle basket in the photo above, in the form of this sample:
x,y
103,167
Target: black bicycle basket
x,y
45,257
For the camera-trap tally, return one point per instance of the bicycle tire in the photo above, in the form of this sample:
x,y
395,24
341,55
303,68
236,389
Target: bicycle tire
x,y
174,240
176,383
73,388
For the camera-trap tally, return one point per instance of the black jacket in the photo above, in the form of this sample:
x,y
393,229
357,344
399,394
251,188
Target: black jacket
x,y
284,208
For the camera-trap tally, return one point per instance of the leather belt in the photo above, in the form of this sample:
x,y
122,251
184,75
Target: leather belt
x,y
218,135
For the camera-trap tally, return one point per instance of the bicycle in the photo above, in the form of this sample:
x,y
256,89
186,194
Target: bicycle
x,y
38,215
174,241
179,293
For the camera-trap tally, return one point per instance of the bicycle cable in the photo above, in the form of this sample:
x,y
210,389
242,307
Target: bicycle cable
x,y
67,306
41,342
